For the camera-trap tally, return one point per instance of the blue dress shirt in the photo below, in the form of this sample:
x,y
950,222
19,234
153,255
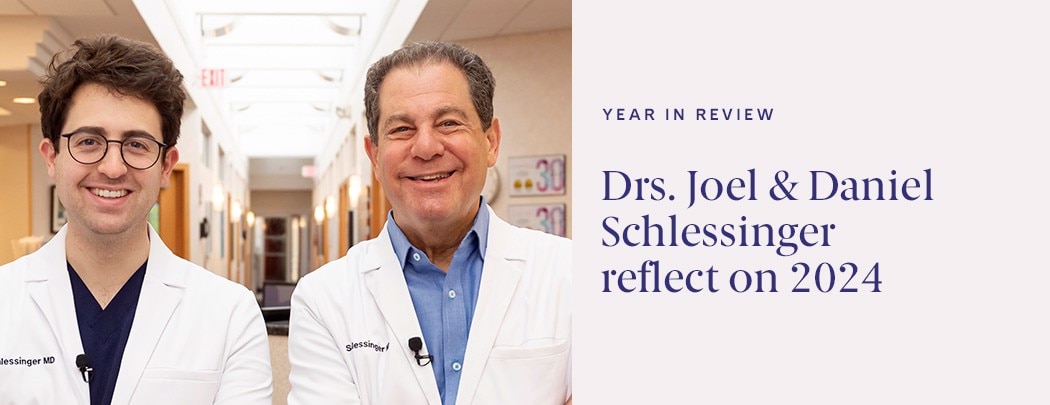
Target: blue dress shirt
x,y
104,332
444,302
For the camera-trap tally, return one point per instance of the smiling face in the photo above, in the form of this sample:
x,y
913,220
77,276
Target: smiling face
x,y
108,197
432,153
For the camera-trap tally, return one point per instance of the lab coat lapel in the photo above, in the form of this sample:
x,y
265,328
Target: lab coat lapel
x,y
49,287
162,289
385,280
504,264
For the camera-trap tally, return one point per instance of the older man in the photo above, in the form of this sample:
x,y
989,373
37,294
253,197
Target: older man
x,y
450,304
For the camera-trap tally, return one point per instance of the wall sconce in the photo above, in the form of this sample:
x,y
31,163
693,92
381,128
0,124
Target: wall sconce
x,y
249,218
329,206
235,212
354,190
218,198
319,214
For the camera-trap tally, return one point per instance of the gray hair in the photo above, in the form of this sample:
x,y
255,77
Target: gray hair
x,y
479,77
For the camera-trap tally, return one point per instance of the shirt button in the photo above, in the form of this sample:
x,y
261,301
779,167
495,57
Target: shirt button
x,y
415,256
456,366
452,294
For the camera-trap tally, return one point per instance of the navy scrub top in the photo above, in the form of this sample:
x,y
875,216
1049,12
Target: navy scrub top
x,y
104,332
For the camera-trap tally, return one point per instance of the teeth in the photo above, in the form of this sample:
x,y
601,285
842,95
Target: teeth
x,y
434,177
110,193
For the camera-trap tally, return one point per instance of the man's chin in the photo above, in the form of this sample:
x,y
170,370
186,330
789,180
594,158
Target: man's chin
x,y
434,212
108,227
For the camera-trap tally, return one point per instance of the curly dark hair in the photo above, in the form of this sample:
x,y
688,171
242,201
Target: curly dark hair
x,y
479,77
124,66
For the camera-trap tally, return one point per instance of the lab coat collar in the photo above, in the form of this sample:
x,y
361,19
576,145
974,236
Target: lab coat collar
x,y
385,280
504,265
48,284
162,288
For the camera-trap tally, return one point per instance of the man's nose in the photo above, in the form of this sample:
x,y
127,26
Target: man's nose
x,y
112,164
428,144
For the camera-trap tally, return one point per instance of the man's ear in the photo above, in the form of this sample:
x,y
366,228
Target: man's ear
x,y
372,150
494,135
171,157
50,152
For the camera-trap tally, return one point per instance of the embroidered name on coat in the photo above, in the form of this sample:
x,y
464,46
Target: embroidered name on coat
x,y
367,345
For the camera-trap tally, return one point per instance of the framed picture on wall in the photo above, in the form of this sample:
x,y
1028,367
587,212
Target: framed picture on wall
x,y
58,212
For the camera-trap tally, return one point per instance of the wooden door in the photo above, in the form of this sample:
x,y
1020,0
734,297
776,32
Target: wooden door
x,y
174,210
379,206
344,218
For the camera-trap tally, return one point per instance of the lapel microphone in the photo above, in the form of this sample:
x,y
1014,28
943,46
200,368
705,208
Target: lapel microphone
x,y
85,367
416,344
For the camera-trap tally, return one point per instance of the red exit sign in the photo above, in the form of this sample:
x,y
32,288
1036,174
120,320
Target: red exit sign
x,y
213,77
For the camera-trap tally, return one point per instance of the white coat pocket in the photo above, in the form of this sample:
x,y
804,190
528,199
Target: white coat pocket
x,y
167,386
533,373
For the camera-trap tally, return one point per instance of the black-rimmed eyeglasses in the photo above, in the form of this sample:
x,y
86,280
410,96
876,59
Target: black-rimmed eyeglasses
x,y
139,152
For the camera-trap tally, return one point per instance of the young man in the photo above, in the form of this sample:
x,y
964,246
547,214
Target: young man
x,y
104,312
450,304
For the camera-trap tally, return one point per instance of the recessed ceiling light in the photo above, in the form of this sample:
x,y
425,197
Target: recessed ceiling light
x,y
24,100
3,83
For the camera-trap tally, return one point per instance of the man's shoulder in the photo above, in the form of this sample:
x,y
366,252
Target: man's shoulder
x,y
204,281
12,269
342,276
12,274
538,239
546,253
336,271
25,268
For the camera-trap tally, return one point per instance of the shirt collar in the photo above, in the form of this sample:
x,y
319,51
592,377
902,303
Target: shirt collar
x,y
402,247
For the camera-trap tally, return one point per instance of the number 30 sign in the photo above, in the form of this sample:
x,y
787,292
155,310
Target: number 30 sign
x,y
537,175
548,218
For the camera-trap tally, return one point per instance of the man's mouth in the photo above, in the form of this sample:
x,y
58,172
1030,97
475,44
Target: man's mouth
x,y
109,193
431,177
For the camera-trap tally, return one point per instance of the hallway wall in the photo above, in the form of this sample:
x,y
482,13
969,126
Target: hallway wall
x,y
16,192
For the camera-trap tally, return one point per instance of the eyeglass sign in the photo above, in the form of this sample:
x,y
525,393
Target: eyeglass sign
x,y
213,77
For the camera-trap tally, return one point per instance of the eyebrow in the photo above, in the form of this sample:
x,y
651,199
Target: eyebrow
x,y
451,110
440,112
394,118
102,132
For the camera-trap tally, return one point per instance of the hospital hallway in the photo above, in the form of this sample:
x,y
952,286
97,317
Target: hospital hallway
x,y
273,179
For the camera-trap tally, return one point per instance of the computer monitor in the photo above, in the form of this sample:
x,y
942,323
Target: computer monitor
x,y
277,294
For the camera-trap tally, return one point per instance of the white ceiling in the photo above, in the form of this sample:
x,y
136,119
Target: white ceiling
x,y
75,18
286,84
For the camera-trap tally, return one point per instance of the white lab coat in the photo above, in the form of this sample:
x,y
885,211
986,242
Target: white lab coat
x,y
196,338
518,351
